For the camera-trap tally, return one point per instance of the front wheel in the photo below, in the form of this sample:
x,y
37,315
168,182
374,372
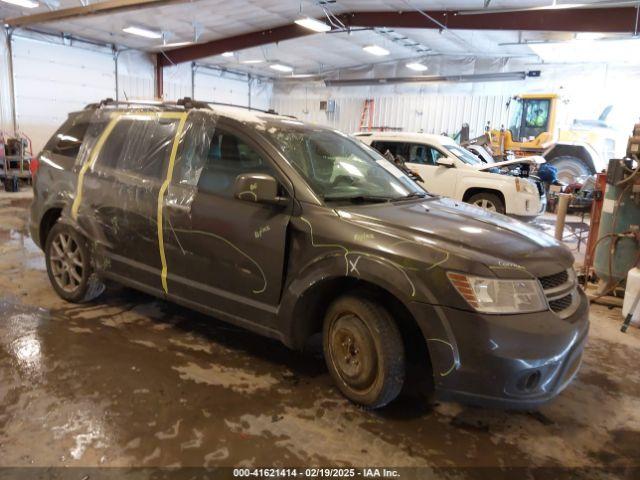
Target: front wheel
x,y
488,201
69,265
363,350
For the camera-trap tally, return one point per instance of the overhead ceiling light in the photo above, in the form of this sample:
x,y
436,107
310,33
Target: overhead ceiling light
x,y
227,54
376,50
590,36
281,68
142,32
173,45
23,3
417,66
313,24
257,60
561,6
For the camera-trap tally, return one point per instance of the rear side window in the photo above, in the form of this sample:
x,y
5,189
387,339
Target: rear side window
x,y
139,145
68,139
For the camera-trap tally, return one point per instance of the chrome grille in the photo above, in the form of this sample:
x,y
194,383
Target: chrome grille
x,y
561,292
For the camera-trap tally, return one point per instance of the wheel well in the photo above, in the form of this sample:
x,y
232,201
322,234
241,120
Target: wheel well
x,y
49,219
474,191
314,303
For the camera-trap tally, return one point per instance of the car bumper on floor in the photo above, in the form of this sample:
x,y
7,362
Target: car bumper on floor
x,y
507,361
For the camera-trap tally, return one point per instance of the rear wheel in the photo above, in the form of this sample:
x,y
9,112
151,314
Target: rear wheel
x,y
570,168
488,201
364,351
69,265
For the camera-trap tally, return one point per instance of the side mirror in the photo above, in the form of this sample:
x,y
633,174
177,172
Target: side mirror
x,y
445,162
258,188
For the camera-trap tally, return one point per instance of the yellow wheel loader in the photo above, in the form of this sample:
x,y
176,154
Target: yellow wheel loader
x,y
582,149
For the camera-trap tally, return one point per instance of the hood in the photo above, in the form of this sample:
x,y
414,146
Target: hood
x,y
468,229
532,160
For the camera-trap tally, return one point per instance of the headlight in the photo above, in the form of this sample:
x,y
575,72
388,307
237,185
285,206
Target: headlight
x,y
492,295
523,185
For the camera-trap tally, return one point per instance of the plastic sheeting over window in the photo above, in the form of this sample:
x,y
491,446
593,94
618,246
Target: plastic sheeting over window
x,y
133,165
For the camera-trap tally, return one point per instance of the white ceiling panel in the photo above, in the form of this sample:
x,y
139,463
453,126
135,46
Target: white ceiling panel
x,y
216,19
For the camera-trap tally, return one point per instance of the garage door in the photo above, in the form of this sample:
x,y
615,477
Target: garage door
x,y
52,80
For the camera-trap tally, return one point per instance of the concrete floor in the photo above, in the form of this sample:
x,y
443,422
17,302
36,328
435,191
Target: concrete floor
x,y
133,381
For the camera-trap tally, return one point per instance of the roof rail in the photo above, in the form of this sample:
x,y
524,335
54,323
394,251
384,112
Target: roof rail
x,y
111,102
270,111
186,102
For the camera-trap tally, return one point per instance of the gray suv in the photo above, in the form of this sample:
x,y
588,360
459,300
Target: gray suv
x,y
297,231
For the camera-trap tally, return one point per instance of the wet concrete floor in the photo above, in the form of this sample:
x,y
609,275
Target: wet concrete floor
x,y
132,381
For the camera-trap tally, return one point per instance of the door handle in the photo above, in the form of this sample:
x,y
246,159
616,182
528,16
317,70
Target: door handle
x,y
176,207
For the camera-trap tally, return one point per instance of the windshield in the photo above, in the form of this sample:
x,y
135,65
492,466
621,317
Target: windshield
x,y
463,154
337,167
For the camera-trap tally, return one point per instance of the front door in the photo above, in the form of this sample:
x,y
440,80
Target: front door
x,y
224,254
437,179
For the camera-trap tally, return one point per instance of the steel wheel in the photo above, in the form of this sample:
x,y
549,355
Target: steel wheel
x,y
67,263
364,351
486,205
353,352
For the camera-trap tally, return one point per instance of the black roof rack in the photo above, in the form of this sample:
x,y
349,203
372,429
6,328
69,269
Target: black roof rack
x,y
186,102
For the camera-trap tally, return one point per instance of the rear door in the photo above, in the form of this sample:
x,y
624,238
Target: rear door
x,y
224,254
120,195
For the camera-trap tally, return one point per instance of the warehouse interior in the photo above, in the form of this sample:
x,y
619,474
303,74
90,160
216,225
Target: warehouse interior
x,y
134,379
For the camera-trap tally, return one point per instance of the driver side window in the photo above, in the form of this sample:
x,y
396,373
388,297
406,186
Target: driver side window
x,y
423,154
227,157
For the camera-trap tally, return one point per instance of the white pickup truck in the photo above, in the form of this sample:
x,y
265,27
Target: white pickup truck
x,y
449,170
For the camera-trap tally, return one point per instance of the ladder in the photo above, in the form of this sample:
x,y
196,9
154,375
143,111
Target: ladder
x,y
367,111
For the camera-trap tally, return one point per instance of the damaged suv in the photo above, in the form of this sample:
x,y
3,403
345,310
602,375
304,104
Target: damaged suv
x,y
299,232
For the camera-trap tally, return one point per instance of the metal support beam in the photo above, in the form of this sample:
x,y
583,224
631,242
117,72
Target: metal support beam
x,y
194,68
101,8
12,85
476,77
607,20
116,54
238,42
159,80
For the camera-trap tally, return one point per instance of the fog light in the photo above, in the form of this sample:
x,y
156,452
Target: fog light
x,y
529,381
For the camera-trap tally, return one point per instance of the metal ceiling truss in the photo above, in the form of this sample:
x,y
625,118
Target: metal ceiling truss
x,y
90,9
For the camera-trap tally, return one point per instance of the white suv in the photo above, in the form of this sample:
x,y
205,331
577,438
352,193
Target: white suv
x,y
449,170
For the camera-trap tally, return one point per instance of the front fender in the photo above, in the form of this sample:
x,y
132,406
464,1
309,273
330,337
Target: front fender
x,y
503,185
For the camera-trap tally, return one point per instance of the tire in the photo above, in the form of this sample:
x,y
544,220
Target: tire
x,y
363,350
488,201
570,168
68,261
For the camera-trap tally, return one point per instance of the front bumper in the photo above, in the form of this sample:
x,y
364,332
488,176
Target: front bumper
x,y
508,361
526,205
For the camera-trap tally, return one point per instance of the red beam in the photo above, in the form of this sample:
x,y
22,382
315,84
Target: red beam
x,y
230,44
607,20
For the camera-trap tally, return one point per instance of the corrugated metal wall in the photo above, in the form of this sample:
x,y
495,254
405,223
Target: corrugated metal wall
x,y
53,79
214,85
431,113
